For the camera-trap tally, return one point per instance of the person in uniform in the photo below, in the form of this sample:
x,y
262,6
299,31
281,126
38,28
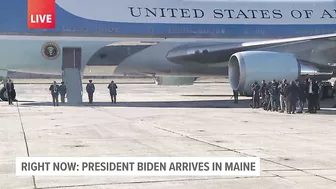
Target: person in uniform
x,y
282,88
291,94
63,91
54,90
10,91
113,91
90,89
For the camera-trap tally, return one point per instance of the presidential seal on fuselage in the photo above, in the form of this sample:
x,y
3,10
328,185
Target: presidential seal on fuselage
x,y
50,50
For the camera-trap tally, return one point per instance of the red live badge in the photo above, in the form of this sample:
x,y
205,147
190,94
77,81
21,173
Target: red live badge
x,y
41,14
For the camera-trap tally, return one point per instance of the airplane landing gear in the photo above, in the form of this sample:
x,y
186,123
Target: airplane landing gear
x,y
3,94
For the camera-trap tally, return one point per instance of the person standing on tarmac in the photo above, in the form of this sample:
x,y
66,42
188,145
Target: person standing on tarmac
x,y
302,95
319,95
256,98
273,91
312,89
10,91
334,89
282,88
54,90
90,89
63,91
113,91
263,89
267,97
291,94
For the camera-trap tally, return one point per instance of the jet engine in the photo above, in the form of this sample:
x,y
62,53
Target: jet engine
x,y
249,66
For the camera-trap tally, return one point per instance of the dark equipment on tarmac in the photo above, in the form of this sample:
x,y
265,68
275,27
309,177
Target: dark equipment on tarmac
x,y
327,90
4,96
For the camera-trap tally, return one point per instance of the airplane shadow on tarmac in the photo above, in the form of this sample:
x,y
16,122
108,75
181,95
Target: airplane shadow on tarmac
x,y
159,104
243,103
207,95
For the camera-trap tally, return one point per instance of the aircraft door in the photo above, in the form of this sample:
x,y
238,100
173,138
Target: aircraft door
x,y
72,58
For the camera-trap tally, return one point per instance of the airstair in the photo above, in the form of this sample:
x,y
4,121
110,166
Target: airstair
x,y
72,78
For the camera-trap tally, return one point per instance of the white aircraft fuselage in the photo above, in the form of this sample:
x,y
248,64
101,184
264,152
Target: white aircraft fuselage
x,y
94,24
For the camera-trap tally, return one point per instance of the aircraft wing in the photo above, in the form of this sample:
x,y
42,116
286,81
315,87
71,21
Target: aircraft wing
x,y
319,49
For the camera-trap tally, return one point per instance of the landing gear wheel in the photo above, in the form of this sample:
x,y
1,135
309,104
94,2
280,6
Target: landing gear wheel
x,y
3,94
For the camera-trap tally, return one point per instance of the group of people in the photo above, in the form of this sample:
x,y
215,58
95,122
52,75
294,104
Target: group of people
x,y
283,97
57,90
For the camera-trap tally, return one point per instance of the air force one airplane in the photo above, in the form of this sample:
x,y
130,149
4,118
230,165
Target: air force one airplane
x,y
248,40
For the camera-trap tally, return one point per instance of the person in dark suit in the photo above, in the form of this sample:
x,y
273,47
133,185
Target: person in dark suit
x,y
291,93
10,91
63,91
54,90
113,91
90,89
302,95
263,89
273,94
312,93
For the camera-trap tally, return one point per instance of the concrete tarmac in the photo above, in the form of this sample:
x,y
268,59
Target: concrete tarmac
x,y
296,151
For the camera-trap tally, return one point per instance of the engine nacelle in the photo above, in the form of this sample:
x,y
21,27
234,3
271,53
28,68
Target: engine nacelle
x,y
249,66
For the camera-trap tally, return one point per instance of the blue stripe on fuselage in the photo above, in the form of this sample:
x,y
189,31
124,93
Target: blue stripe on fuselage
x,y
13,20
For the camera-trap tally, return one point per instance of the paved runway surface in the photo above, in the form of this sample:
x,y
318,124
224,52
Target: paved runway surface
x,y
297,151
